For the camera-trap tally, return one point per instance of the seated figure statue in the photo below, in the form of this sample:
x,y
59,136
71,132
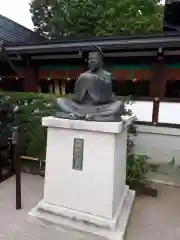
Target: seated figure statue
x,y
92,98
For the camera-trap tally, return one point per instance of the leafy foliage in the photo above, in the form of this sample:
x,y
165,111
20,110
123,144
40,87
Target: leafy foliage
x,y
137,169
53,18
132,131
137,166
33,107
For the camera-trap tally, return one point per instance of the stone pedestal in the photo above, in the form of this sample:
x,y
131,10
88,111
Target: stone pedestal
x,y
85,180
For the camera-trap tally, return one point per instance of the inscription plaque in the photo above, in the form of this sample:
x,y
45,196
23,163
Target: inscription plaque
x,y
78,154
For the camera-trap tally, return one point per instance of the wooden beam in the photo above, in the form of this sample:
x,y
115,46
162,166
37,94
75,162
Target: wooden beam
x,y
29,158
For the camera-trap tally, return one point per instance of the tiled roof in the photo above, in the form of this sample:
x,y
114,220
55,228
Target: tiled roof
x,y
11,31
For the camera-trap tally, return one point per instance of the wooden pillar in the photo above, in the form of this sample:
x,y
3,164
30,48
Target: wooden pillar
x,y
155,113
158,85
39,89
158,79
1,166
63,87
16,141
30,77
57,88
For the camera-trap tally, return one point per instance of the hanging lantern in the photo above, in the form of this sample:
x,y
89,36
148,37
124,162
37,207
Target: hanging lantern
x,y
134,80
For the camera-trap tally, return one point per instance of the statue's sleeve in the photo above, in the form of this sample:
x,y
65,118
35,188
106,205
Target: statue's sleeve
x,y
108,78
79,89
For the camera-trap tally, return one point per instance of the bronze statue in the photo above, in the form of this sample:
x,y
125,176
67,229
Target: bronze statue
x,y
92,99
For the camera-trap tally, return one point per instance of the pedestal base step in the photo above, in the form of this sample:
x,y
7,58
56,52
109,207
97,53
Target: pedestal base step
x,y
62,222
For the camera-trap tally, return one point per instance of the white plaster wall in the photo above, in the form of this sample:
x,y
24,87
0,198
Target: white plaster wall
x,y
169,113
142,110
160,143
119,168
89,190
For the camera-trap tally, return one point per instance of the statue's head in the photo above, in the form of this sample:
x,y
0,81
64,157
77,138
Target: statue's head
x,y
95,61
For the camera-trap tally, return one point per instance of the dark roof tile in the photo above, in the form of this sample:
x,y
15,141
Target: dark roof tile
x,y
13,32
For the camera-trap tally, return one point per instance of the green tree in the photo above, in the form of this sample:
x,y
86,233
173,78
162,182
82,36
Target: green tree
x,y
53,18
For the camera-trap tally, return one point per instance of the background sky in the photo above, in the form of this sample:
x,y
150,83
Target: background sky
x,y
18,10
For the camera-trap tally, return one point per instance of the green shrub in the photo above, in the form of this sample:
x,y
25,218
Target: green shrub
x,y
34,106
137,166
137,169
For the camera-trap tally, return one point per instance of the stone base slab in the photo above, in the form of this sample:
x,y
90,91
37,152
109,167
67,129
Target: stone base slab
x,y
82,223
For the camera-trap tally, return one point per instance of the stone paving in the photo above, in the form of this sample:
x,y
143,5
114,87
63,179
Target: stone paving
x,y
151,219
166,173
156,218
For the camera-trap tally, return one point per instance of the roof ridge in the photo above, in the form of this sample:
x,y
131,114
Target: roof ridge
x,y
104,38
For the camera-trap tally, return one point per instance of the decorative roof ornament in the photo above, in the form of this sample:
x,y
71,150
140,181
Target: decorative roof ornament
x,y
99,50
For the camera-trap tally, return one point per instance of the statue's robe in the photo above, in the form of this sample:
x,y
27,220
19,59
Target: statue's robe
x,y
92,95
98,86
